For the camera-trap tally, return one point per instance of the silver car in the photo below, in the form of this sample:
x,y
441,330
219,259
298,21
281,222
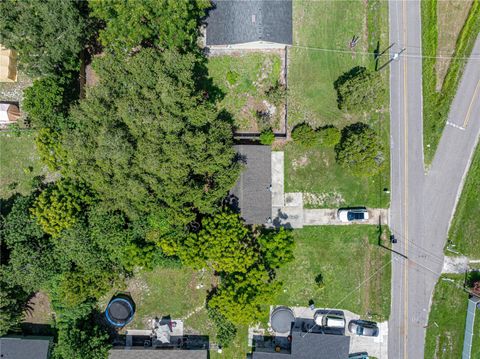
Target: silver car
x,y
363,328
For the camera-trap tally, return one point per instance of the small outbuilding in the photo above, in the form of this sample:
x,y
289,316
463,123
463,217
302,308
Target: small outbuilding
x,y
249,24
9,113
8,65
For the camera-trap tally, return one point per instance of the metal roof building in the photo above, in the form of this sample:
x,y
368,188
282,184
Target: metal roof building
x,y
236,23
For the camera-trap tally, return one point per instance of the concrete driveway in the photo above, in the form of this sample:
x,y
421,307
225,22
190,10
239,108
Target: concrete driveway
x,y
374,346
320,217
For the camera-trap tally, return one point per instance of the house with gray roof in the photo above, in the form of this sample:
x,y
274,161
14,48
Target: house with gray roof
x,y
249,24
252,195
25,347
140,353
306,341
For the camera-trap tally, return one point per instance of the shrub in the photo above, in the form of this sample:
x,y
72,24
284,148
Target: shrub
x,y
267,137
358,90
360,150
328,136
276,93
232,77
304,135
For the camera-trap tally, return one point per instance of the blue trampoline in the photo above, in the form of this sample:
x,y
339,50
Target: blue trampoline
x,y
119,312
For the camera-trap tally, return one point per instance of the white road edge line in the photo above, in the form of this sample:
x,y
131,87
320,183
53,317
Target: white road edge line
x,y
455,126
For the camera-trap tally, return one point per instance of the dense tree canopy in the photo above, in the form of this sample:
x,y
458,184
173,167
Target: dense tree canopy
x,y
81,338
13,300
223,243
360,150
159,23
48,35
59,205
149,142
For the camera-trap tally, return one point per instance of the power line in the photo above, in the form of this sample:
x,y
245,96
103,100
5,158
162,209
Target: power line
x,y
373,53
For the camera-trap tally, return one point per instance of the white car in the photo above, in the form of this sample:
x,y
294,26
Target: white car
x,y
329,320
353,214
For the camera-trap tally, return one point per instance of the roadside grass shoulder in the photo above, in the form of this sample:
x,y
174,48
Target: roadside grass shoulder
x,y
465,228
354,270
436,104
313,99
19,163
446,323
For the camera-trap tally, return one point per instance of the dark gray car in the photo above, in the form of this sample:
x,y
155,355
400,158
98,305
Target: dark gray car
x,y
363,328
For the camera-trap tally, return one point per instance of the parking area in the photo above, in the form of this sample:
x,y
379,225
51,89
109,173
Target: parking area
x,y
327,216
375,346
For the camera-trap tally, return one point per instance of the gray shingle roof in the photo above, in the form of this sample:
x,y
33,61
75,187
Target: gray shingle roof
x,y
252,188
157,354
321,346
313,344
28,347
240,21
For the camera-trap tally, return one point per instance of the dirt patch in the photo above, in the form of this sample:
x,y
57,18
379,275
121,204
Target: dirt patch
x,y
301,162
39,310
451,17
328,199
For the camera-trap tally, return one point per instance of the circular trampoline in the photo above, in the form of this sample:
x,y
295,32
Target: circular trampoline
x,y
119,312
281,319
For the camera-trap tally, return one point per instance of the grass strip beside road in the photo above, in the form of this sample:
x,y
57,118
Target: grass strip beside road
x,y
465,228
436,104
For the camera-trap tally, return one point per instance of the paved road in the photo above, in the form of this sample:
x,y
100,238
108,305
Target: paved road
x,y
422,204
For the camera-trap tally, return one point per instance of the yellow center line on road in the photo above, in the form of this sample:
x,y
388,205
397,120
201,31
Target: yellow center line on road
x,y
469,112
405,199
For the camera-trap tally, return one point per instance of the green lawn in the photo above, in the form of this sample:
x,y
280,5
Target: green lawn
x,y
172,290
446,324
245,80
345,256
312,97
436,104
19,163
465,228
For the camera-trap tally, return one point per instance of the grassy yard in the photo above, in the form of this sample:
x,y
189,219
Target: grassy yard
x,y
19,163
312,97
172,290
347,258
446,323
436,104
245,80
465,228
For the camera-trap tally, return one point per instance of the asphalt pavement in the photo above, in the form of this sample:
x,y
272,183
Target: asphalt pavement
x,y
422,202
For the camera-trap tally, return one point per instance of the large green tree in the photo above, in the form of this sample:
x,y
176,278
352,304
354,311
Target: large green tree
x,y
159,23
360,150
224,244
48,35
150,142
60,205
